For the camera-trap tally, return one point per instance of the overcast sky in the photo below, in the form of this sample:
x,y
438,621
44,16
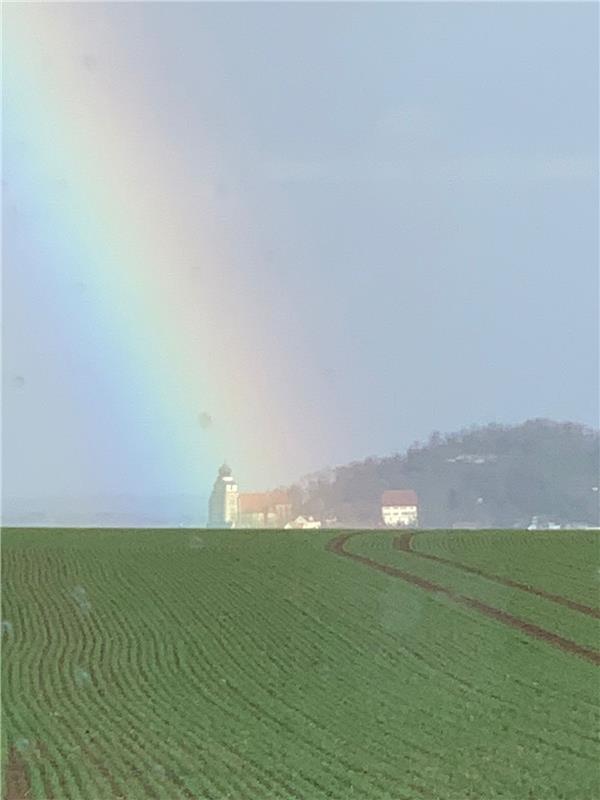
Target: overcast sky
x,y
422,180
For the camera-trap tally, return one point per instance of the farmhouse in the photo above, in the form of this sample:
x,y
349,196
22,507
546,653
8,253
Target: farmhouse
x,y
399,508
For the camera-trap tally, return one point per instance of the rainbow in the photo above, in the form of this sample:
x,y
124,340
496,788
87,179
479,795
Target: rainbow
x,y
113,213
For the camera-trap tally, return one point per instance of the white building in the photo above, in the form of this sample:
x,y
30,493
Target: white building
x,y
223,505
303,523
400,508
539,525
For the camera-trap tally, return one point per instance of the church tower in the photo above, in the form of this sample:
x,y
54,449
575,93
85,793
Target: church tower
x,y
223,505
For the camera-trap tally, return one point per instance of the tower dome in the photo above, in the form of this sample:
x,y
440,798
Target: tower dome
x,y
224,471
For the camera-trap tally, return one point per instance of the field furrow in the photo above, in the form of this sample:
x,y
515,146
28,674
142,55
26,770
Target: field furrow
x,y
261,666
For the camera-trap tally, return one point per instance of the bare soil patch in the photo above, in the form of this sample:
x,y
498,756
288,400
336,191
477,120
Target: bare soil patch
x,y
17,781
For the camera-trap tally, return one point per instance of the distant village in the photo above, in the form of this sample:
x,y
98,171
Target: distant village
x,y
230,508
398,508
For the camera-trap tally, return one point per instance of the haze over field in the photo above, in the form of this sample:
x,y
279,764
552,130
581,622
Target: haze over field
x,y
286,235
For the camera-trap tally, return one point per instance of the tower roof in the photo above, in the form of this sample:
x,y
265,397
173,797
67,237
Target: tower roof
x,y
224,471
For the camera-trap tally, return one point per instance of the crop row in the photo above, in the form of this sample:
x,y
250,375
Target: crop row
x,y
565,562
260,666
563,621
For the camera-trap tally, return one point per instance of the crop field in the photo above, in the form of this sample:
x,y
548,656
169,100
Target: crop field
x,y
205,665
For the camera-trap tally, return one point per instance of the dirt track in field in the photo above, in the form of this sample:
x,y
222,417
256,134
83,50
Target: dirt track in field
x,y
405,543
336,545
17,782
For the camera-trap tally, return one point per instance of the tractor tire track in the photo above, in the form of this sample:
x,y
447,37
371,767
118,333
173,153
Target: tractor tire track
x,y
17,782
405,544
337,546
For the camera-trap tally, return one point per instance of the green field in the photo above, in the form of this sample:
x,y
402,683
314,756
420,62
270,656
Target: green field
x,y
251,666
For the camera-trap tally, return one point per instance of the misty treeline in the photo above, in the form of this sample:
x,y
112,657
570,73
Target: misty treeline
x,y
495,475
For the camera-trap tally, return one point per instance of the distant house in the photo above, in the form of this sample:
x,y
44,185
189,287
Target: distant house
x,y
400,508
542,524
251,510
264,509
470,458
301,523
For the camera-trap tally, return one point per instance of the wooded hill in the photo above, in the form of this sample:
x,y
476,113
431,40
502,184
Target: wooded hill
x,y
490,476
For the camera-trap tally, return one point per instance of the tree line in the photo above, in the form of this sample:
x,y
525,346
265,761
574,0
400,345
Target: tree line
x,y
494,475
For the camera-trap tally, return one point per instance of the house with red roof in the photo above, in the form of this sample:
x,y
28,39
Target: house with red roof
x,y
264,509
400,508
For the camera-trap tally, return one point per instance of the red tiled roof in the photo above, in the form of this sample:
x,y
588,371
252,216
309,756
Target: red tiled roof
x,y
261,502
399,497
253,502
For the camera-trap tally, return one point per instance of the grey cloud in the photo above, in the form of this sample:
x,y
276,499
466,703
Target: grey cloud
x,y
519,169
497,169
